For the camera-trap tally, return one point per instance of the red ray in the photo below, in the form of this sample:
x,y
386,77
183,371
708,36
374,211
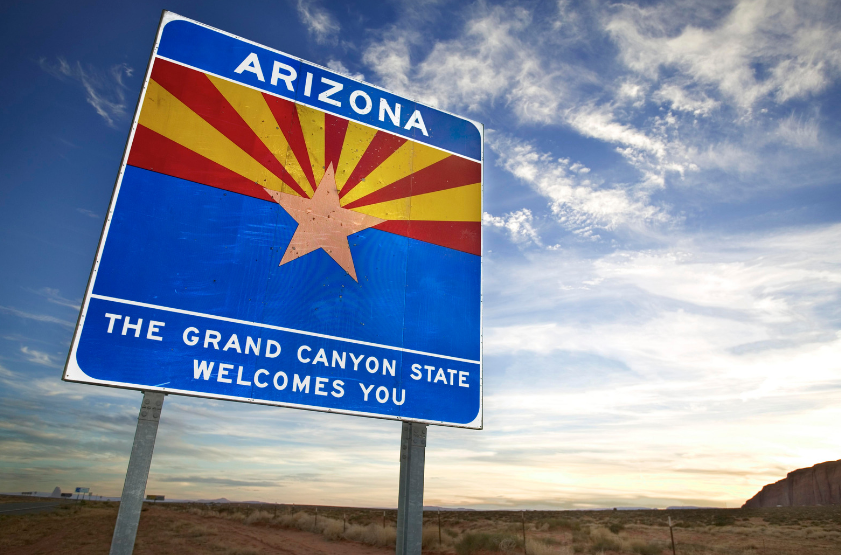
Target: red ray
x,y
334,137
450,172
286,116
460,236
152,151
194,89
382,146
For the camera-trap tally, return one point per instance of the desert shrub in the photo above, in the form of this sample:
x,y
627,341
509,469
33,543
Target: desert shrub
x,y
540,547
331,529
581,535
603,540
373,534
258,517
723,520
616,527
650,548
561,524
475,542
235,516
430,537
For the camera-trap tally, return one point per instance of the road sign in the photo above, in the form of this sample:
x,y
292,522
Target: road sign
x,y
282,234
82,490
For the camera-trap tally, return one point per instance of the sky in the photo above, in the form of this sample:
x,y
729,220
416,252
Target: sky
x,y
662,217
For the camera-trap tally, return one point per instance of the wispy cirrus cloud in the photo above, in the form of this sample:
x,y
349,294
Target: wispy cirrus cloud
x,y
216,481
39,357
37,317
88,213
760,50
54,296
105,90
518,224
319,22
576,198
339,67
676,92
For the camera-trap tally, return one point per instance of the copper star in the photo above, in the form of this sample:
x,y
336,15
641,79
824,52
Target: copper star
x,y
323,223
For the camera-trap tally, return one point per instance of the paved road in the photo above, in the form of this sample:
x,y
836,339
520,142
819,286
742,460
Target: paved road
x,y
27,507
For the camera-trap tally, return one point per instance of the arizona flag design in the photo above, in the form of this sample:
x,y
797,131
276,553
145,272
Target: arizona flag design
x,y
209,130
261,248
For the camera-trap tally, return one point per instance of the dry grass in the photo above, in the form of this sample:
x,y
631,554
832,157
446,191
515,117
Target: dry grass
x,y
213,529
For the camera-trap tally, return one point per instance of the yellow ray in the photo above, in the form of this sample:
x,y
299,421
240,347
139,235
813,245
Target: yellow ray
x,y
357,139
460,204
251,105
312,125
165,114
407,159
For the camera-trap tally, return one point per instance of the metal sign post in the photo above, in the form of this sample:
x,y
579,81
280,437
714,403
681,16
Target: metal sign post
x,y
131,501
410,497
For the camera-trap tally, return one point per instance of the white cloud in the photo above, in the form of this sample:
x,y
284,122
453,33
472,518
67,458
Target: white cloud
x,y
38,357
579,203
518,224
658,351
697,303
339,67
88,213
321,25
799,131
707,68
680,99
492,60
104,90
37,317
54,296
762,50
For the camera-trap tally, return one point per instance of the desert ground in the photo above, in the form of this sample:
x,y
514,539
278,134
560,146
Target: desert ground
x,y
247,529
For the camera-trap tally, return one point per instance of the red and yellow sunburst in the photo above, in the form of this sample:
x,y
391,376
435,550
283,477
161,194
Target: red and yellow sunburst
x,y
205,129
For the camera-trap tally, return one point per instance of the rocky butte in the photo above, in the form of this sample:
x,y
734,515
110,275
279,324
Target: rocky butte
x,y
816,485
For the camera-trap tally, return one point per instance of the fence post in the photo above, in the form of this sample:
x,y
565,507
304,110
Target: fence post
x,y
525,549
672,534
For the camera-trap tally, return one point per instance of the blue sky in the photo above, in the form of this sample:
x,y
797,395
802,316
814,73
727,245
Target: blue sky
x,y
662,271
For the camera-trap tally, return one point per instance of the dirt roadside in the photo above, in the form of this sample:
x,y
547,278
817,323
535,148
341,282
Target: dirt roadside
x,y
87,531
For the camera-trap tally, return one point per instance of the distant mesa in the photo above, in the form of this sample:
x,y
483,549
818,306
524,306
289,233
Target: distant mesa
x,y
816,485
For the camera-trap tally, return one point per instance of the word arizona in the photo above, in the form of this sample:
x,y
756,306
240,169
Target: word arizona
x,y
332,92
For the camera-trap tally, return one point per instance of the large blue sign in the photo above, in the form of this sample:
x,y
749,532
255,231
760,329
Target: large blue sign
x,y
281,234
